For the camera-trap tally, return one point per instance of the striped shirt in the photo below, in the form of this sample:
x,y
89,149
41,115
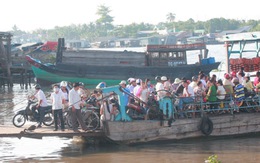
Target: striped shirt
x,y
239,92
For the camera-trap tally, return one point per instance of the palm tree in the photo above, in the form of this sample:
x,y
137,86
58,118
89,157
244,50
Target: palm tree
x,y
171,17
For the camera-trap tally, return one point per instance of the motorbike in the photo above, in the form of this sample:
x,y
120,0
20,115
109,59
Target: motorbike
x,y
27,114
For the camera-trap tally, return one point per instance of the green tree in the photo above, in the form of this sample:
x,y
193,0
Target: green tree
x,y
103,11
171,17
104,22
16,31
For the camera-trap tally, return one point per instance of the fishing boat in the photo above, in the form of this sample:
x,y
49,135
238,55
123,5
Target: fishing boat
x,y
94,66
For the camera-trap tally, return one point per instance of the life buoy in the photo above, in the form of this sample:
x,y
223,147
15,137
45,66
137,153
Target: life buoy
x,y
206,126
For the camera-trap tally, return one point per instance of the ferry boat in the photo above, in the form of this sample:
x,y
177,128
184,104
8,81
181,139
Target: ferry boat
x,y
94,66
229,119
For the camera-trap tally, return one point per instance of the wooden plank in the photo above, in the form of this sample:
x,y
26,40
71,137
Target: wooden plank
x,y
10,131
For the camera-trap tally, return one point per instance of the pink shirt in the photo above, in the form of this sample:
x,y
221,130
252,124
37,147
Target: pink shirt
x,y
256,81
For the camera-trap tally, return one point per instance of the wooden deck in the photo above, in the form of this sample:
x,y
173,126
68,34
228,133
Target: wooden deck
x,y
38,133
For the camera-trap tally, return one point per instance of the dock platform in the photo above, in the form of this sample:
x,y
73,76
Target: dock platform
x,y
45,131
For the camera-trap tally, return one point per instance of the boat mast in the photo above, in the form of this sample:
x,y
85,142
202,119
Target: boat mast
x,y
59,54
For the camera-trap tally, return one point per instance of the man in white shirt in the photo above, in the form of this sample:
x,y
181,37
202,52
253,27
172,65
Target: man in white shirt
x,y
203,81
74,102
58,100
42,103
159,89
194,82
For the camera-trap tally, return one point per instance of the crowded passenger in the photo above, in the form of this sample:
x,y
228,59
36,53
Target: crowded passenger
x,y
41,105
256,80
131,85
239,92
159,88
143,92
166,83
138,85
228,85
58,99
176,84
248,84
193,84
65,91
202,78
199,93
221,92
75,103
240,76
180,88
212,94
187,96
149,85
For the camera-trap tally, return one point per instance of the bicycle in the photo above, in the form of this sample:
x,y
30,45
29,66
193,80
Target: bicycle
x,y
90,117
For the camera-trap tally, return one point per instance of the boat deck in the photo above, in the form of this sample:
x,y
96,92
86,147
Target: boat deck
x,y
38,133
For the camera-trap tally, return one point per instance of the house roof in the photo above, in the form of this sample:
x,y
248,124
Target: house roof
x,y
247,36
239,30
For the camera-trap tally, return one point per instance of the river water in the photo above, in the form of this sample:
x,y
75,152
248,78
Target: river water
x,y
54,149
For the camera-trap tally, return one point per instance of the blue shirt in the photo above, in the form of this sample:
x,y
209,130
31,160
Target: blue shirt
x,y
239,92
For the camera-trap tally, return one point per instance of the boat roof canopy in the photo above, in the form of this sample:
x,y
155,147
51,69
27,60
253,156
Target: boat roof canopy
x,y
175,48
248,36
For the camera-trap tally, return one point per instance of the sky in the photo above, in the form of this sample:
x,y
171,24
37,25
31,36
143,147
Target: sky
x,y
30,15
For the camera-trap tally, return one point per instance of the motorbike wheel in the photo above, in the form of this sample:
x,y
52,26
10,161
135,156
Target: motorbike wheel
x,y
48,119
19,120
92,121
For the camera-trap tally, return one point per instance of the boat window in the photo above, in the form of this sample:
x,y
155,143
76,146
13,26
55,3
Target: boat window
x,y
173,54
164,55
155,55
180,54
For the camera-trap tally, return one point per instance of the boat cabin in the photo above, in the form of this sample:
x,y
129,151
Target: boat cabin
x,y
155,56
242,51
171,55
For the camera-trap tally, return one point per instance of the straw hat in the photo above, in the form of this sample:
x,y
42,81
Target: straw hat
x,y
163,78
122,82
177,81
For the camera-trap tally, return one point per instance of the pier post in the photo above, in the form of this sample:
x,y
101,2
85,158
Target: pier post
x,y
5,56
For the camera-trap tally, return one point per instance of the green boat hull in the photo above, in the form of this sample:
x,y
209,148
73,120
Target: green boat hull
x,y
44,77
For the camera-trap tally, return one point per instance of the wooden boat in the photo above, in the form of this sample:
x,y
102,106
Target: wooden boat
x,y
200,121
94,66
165,123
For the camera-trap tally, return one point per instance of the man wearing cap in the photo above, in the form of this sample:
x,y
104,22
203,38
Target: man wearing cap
x,y
166,83
74,102
131,85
